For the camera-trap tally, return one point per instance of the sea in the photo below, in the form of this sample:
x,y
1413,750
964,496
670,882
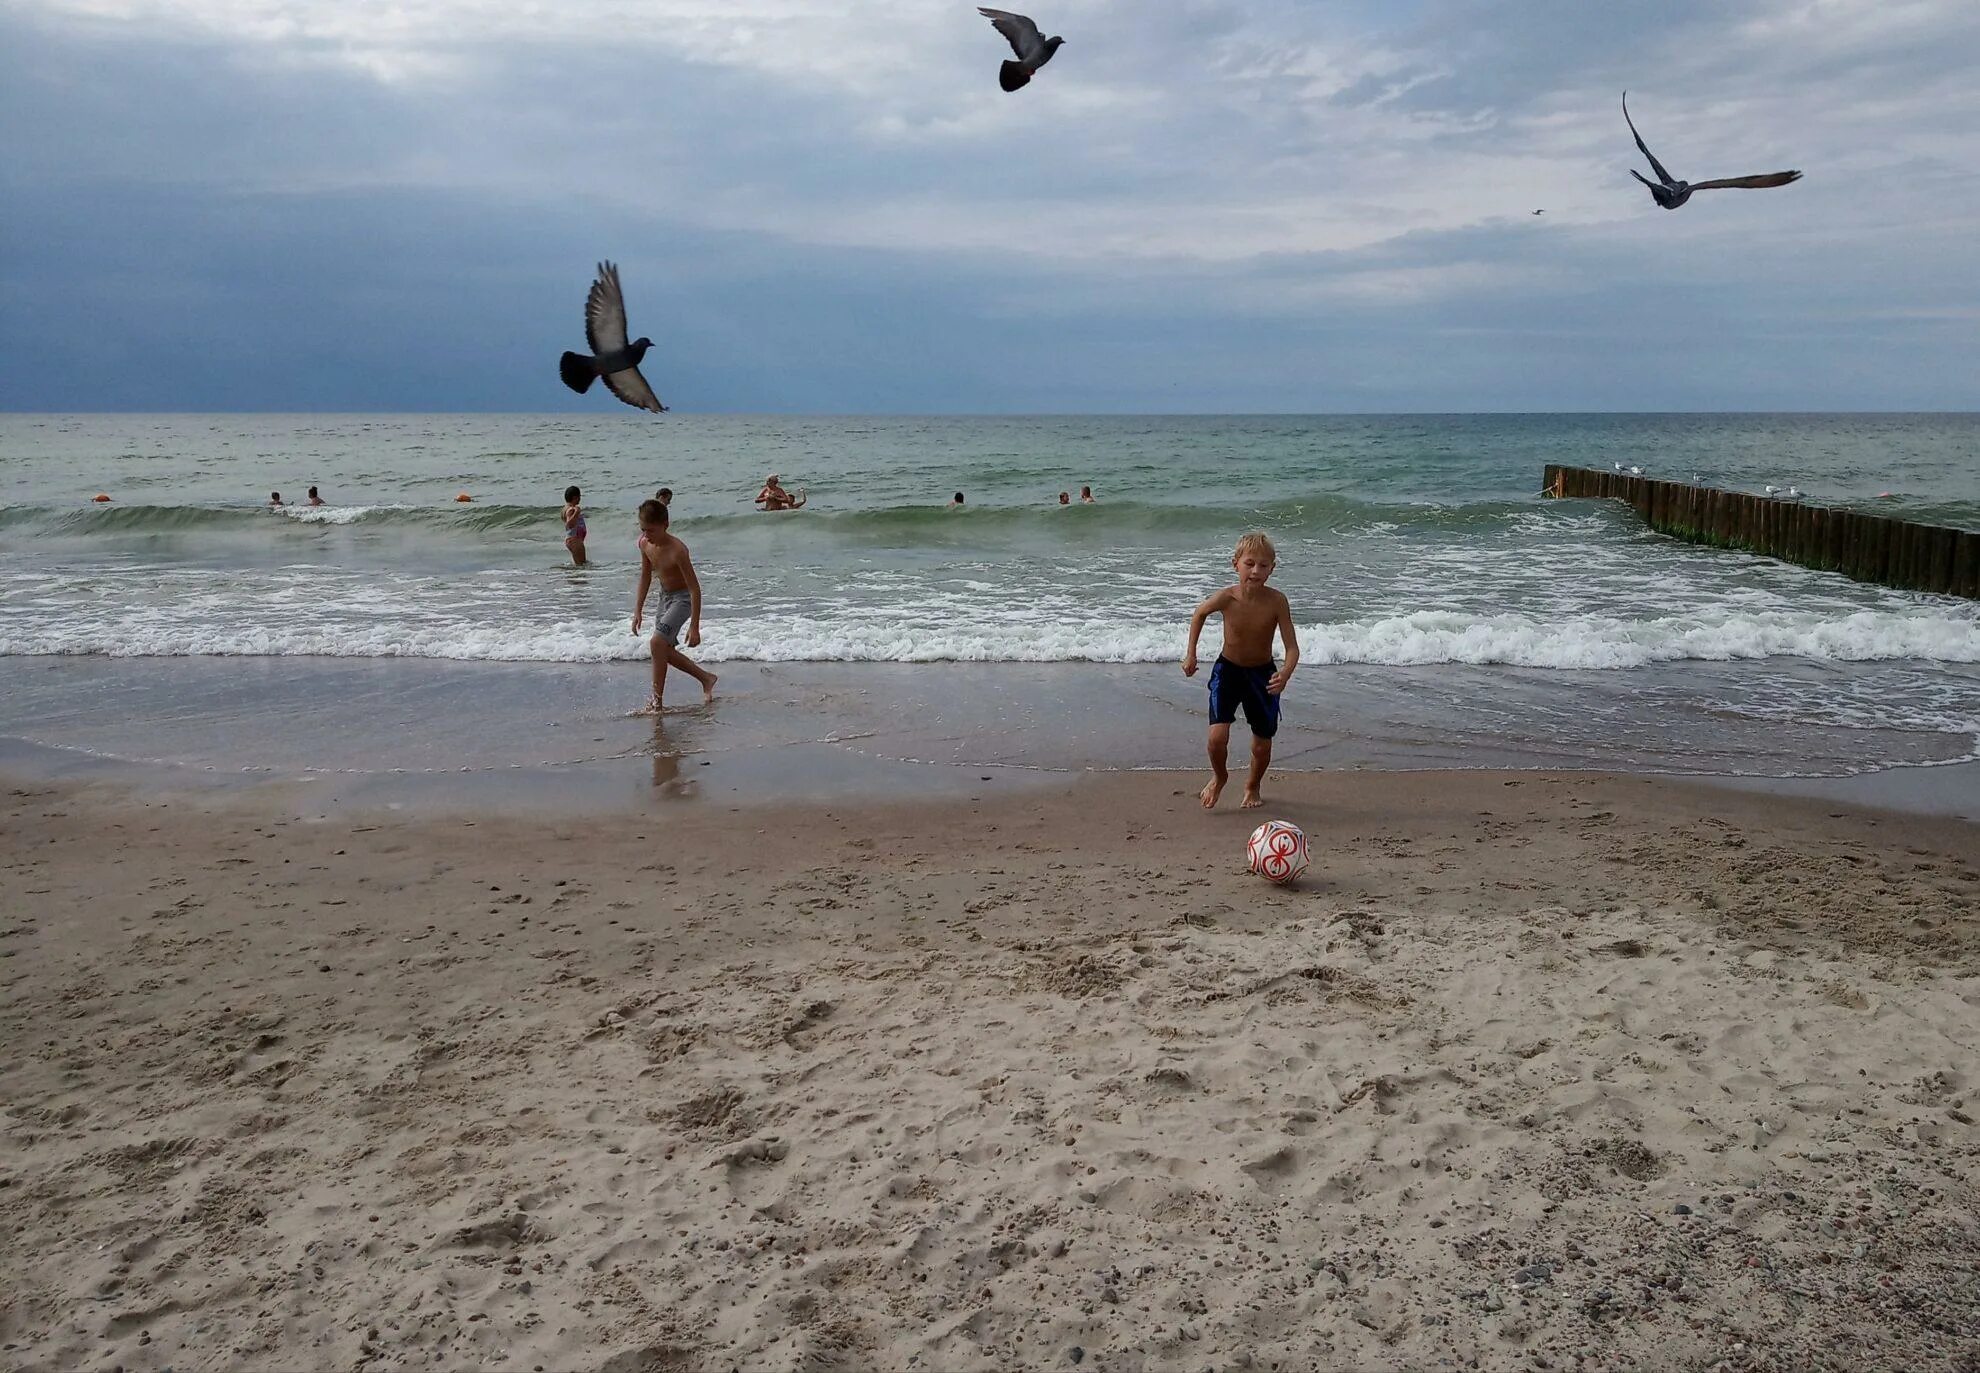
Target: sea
x,y
1448,614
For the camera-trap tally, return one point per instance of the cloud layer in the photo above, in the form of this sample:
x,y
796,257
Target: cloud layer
x,y
1208,205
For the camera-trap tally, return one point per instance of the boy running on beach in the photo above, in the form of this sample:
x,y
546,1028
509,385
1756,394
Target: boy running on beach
x,y
666,557
1244,674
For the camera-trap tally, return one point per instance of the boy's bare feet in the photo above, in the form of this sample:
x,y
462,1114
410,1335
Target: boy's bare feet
x,y
1252,800
652,706
1212,791
708,688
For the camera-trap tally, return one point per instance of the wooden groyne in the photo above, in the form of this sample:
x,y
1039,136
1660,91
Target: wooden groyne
x,y
1870,548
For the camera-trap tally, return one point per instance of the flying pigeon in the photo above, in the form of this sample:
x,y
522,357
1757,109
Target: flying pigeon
x,y
613,358
1673,193
1033,49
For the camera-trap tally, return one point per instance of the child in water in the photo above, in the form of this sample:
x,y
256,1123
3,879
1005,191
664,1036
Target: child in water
x,y
574,525
1244,675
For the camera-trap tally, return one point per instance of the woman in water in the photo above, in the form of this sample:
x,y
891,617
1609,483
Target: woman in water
x,y
773,496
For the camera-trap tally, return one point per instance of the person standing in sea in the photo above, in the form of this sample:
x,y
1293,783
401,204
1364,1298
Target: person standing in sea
x,y
574,529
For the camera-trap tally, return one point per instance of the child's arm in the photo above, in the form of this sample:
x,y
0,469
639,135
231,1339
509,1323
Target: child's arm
x,y
1291,637
1203,613
694,593
645,581
570,513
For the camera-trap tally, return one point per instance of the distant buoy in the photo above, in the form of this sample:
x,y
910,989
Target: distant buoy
x,y
100,497
464,496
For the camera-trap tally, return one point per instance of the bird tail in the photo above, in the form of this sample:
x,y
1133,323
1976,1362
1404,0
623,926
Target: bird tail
x,y
1012,75
577,371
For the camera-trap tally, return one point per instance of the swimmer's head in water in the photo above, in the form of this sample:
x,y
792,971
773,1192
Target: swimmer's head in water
x,y
1086,493
274,497
312,491
1065,498
772,479
959,499
665,495
571,494
652,517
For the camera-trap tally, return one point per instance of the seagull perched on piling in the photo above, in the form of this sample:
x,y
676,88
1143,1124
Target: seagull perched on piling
x,y
1033,48
614,359
1672,193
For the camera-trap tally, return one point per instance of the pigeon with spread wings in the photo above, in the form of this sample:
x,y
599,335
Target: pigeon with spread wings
x,y
612,358
1669,192
1033,49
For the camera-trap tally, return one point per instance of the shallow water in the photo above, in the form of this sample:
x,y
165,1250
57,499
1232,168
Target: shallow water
x,y
1457,614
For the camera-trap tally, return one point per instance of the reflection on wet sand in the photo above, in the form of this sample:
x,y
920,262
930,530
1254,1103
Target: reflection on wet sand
x,y
667,779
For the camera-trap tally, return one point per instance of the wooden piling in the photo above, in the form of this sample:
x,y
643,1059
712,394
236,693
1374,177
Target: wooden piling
x,y
1870,548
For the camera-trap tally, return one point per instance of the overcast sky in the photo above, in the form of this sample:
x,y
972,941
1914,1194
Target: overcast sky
x,y
1200,205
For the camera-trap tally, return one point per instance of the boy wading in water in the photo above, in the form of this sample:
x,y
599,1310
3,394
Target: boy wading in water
x,y
666,557
1244,675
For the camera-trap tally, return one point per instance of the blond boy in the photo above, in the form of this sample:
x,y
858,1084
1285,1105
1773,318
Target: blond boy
x,y
1244,675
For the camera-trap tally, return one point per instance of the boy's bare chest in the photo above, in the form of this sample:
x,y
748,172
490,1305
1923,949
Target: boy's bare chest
x,y
1249,618
665,559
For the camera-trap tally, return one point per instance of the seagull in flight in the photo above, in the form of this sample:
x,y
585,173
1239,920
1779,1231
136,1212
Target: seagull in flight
x,y
1033,49
612,357
1670,193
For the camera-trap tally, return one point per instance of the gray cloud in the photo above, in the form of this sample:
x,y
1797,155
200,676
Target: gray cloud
x,y
1221,205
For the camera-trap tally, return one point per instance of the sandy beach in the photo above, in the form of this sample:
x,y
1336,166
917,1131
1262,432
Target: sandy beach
x,y
1530,1071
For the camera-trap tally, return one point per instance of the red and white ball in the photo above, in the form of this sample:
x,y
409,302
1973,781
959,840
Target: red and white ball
x,y
1277,851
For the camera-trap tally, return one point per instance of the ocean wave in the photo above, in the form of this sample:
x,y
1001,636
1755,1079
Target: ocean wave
x,y
1319,513
1586,643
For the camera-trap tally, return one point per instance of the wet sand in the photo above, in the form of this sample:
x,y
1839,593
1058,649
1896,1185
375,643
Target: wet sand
x,y
1530,1071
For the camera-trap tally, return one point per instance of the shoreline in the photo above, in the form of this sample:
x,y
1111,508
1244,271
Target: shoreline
x,y
1610,1072
433,735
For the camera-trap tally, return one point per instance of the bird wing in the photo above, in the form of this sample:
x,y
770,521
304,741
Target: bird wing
x,y
605,315
1747,183
1655,165
630,387
1024,37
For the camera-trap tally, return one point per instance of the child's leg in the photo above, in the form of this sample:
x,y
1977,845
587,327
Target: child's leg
x,y
577,550
685,664
1220,748
660,650
1261,758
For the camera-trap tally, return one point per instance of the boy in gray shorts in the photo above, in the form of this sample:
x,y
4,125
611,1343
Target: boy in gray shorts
x,y
666,557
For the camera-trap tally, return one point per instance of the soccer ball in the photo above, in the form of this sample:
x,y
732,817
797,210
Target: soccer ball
x,y
1277,851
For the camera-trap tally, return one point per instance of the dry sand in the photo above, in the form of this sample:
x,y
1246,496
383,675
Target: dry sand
x,y
1529,1072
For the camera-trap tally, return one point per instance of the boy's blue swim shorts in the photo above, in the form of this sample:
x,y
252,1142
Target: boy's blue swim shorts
x,y
1232,686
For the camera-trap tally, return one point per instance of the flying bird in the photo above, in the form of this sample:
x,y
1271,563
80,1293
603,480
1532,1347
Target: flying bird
x,y
612,357
1539,212
1672,193
1033,49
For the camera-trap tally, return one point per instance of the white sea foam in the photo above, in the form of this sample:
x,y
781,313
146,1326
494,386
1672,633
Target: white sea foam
x,y
334,514
869,635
